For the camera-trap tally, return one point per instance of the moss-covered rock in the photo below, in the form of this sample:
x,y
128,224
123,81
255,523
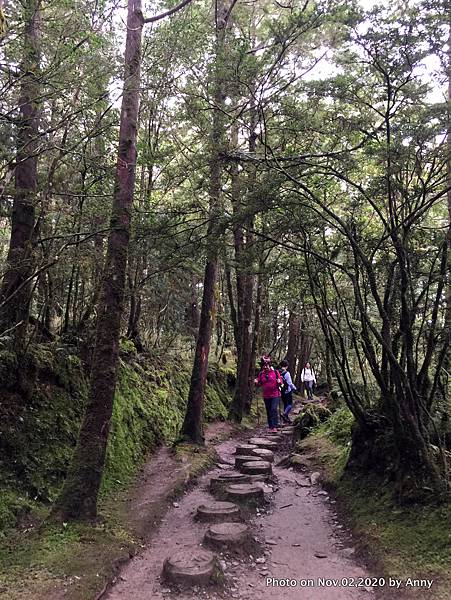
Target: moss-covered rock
x,y
311,417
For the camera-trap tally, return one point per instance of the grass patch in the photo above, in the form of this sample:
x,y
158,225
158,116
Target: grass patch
x,y
38,563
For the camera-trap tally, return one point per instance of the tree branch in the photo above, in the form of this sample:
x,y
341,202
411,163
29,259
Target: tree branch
x,y
168,13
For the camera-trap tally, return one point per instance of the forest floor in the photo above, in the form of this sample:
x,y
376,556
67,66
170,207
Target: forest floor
x,y
302,535
77,562
298,537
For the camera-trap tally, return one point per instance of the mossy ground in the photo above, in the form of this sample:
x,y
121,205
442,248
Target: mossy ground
x,y
78,560
41,407
411,542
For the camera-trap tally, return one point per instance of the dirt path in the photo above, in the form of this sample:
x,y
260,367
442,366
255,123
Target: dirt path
x,y
163,472
299,538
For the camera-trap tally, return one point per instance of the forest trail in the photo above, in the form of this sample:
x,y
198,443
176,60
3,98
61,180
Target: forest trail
x,y
148,495
299,534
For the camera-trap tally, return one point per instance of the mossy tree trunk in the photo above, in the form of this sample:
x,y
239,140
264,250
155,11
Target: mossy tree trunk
x,y
78,498
16,289
245,282
447,358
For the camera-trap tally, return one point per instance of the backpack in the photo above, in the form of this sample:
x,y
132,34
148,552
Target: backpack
x,y
284,389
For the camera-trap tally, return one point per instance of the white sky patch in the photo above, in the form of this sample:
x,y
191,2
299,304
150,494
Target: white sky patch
x,y
428,72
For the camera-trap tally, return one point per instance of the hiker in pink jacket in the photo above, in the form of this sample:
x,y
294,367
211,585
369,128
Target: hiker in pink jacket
x,y
271,382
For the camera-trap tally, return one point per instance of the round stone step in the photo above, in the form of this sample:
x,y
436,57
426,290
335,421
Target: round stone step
x,y
263,454
264,443
219,482
288,430
227,534
193,567
245,493
260,477
218,512
245,449
242,458
257,467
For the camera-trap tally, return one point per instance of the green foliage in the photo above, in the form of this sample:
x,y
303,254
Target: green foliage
x,y
311,416
12,507
419,534
338,426
41,406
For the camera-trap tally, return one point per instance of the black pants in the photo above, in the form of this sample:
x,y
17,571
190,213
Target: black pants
x,y
309,388
287,398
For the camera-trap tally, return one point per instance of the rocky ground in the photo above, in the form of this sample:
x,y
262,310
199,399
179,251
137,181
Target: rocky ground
x,y
299,548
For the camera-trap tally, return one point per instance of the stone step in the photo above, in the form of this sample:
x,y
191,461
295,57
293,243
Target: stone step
x,y
241,459
263,454
245,449
264,443
218,512
219,482
190,568
230,535
245,493
257,467
288,430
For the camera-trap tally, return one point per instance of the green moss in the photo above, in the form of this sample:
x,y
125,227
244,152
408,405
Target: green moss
x,y
149,409
12,507
41,408
415,542
39,421
40,418
8,368
127,346
75,559
310,418
338,426
214,405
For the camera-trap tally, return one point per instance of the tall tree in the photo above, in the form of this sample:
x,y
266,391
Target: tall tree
x,y
15,293
294,326
78,498
192,428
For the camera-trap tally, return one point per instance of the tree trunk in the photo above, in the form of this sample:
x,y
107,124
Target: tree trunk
x,y
78,498
15,293
244,258
386,448
447,361
192,428
294,326
255,349
328,364
233,312
192,317
237,407
305,347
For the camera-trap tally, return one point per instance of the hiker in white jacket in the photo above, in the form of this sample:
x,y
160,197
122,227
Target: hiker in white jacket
x,y
308,378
